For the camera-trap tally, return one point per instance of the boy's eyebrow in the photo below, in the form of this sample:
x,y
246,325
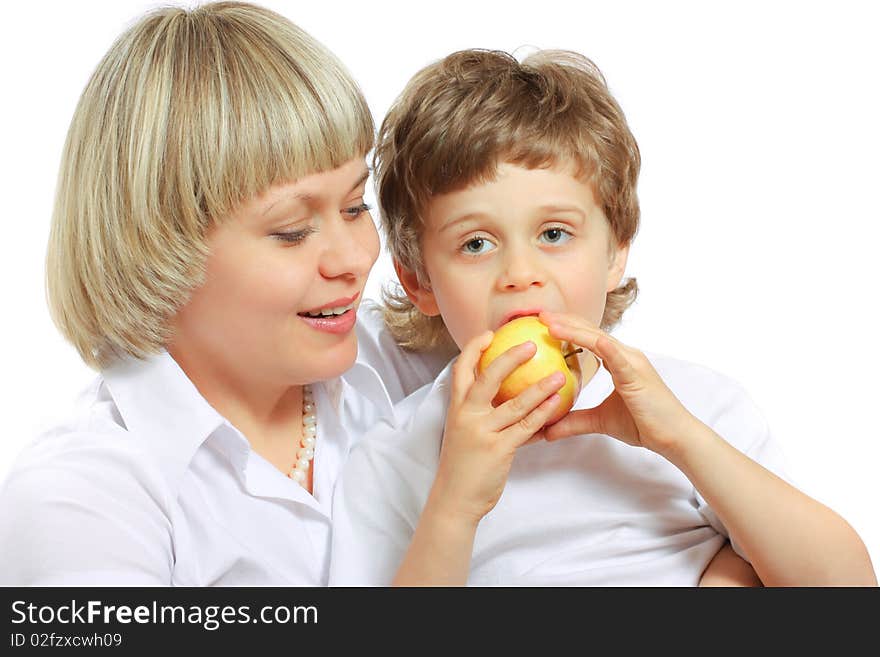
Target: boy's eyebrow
x,y
552,208
449,223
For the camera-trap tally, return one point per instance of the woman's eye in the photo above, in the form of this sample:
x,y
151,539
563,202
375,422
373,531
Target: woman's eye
x,y
476,246
556,236
295,236
356,211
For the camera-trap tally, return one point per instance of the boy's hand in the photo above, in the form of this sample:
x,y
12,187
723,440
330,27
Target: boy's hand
x,y
642,410
479,440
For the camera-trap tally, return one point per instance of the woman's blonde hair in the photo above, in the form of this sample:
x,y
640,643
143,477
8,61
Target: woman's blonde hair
x,y
458,118
189,114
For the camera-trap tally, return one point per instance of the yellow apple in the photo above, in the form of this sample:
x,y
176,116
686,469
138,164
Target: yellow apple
x,y
549,358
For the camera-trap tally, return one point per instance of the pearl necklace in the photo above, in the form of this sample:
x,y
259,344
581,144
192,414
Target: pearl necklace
x,y
306,451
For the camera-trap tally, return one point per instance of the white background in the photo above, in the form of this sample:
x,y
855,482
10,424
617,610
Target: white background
x,y
757,255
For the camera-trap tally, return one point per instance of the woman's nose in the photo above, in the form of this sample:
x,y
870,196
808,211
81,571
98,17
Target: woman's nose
x,y
349,249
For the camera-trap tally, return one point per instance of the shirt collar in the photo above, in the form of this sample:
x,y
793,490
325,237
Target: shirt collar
x,y
162,407
366,381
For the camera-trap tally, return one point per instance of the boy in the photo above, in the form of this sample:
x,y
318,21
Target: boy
x,y
509,189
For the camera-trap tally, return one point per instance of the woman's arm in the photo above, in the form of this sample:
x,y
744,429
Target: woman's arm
x,y
727,568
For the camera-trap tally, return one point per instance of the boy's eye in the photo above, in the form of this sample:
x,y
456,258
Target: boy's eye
x,y
356,211
476,246
556,236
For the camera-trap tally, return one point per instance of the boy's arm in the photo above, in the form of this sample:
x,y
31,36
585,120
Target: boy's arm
x,y
479,443
789,538
729,569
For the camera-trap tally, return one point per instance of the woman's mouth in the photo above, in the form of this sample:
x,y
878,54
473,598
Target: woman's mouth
x,y
336,317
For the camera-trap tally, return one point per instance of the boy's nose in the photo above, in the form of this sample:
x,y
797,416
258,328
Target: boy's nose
x,y
520,273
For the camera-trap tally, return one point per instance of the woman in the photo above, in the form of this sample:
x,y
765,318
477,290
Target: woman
x,y
208,255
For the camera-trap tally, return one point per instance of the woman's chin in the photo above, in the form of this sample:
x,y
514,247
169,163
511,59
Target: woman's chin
x,y
330,363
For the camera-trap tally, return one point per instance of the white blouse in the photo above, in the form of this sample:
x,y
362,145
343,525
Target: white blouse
x,y
148,485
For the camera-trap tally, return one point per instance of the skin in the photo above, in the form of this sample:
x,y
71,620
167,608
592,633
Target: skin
x,y
473,284
240,339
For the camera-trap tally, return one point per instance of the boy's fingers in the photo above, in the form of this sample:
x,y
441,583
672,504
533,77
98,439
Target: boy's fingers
x,y
486,385
583,335
521,432
613,353
466,364
616,362
574,424
513,410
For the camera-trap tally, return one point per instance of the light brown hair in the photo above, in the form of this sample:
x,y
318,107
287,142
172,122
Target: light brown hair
x,y
189,114
458,118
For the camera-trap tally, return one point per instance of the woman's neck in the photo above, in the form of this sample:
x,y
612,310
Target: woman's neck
x,y
268,415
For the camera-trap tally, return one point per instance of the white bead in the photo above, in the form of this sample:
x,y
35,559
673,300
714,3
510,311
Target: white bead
x,y
310,432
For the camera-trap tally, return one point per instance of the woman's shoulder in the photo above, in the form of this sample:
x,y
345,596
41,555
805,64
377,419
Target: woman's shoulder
x,y
85,450
89,427
82,494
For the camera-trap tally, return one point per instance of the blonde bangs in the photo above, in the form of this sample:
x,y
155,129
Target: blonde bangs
x,y
189,114
277,107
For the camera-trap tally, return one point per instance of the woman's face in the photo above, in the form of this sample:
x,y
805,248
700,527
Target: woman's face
x,y
298,250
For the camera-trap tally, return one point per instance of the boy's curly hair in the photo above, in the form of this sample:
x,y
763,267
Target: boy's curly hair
x,y
458,118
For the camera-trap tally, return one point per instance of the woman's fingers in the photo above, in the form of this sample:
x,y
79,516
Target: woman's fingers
x,y
463,370
486,384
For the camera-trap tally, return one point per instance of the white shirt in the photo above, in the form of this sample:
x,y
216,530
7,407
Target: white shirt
x,y
586,510
148,485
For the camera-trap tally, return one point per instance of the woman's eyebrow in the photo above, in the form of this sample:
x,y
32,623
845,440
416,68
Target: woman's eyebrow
x,y
307,198
360,181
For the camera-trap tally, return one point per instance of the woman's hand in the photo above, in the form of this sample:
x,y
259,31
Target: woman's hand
x,y
479,439
642,410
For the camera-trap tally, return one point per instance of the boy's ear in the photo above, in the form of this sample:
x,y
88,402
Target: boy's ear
x,y
617,266
417,291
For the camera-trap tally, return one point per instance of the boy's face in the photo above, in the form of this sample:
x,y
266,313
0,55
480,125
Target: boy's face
x,y
530,240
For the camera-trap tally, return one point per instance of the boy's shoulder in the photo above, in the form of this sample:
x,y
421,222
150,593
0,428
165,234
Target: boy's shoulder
x,y
698,383
715,398
416,430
